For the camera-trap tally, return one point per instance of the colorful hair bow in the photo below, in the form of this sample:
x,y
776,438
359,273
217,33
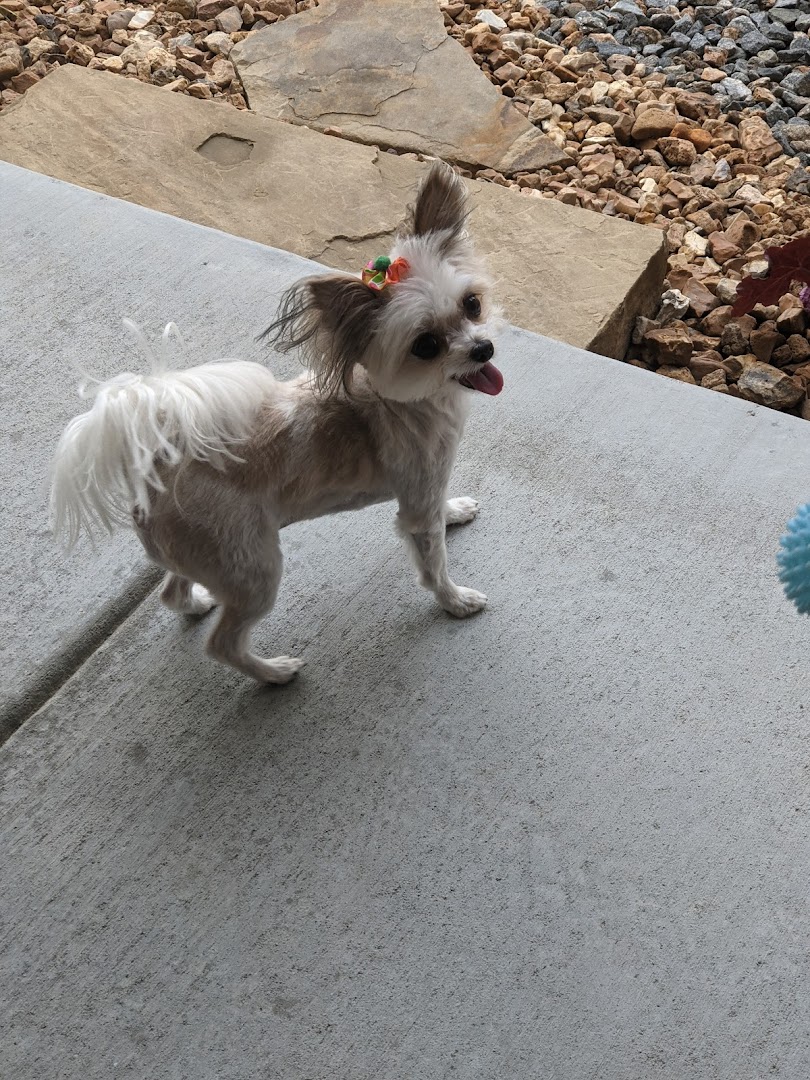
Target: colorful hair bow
x,y
381,272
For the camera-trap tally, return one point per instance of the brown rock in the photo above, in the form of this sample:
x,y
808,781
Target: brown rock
x,y
791,321
222,73
190,71
716,321
701,364
701,300
653,123
768,385
700,139
679,152
669,345
278,7
24,81
799,348
756,137
734,341
714,380
229,21
10,61
742,232
722,248
200,90
681,374
209,9
763,341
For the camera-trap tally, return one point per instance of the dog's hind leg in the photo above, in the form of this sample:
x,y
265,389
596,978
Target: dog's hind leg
x,y
248,596
180,594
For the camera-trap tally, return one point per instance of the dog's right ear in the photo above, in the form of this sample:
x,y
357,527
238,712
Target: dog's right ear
x,y
332,319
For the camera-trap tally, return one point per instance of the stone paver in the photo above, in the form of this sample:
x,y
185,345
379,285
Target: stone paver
x,y
387,73
561,271
568,835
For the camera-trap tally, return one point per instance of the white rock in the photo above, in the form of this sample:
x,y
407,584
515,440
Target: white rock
x,y
722,171
749,194
491,19
140,19
219,43
674,305
139,47
696,244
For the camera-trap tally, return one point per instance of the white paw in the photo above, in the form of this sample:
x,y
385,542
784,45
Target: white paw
x,y
201,601
460,511
463,602
280,669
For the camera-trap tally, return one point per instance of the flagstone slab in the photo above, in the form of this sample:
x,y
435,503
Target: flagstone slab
x,y
387,73
560,270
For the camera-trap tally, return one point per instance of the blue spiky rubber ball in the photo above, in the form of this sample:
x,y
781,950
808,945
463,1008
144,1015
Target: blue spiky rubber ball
x,y
794,560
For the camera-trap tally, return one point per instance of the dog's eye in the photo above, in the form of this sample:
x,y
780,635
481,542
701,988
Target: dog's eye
x,y
426,346
472,305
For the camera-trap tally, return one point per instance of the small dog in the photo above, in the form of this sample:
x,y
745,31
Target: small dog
x,y
209,464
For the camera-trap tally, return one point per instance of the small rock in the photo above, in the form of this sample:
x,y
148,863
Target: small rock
x,y
119,20
140,19
716,321
674,305
229,21
742,232
222,73
200,90
768,385
491,19
726,290
791,321
653,124
679,152
10,62
735,337
218,42
763,342
714,380
721,248
669,345
680,374
209,9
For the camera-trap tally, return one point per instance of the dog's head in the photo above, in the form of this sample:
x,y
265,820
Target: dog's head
x,y
420,322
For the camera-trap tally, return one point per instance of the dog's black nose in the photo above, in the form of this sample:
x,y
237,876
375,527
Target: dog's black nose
x,y
482,351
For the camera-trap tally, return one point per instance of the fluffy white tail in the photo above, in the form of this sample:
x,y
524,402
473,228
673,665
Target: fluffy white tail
x,y
108,459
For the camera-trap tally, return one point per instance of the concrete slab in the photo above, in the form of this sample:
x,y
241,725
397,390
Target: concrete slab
x,y
562,271
568,838
387,74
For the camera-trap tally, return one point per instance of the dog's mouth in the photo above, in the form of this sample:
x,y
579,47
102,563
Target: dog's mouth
x,y
486,380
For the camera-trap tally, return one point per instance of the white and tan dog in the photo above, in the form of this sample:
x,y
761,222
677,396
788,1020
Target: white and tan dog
x,y
209,464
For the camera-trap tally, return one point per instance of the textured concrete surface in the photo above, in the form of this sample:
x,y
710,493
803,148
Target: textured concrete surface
x,y
562,271
386,73
568,838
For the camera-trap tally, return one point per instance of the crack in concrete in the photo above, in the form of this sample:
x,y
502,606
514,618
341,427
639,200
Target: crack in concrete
x,y
52,675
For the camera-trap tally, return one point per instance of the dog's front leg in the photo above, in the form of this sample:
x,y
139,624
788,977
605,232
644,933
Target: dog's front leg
x,y
424,534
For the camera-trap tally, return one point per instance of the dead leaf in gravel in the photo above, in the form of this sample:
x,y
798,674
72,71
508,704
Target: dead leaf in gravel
x,y
787,264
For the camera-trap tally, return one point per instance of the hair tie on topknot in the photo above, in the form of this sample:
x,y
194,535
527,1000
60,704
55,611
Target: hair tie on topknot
x,y
381,272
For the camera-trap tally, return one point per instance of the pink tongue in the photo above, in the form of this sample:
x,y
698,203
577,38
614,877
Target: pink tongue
x,y
487,379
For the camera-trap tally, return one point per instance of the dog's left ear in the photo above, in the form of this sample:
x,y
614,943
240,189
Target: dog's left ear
x,y
441,208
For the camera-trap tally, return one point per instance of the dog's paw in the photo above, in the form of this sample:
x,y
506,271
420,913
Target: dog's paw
x,y
460,511
201,601
279,670
463,602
